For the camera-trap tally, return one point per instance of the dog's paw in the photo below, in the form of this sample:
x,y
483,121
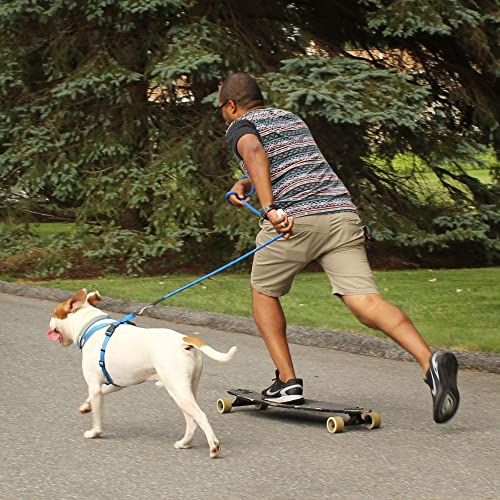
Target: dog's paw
x,y
92,434
215,449
154,378
182,445
85,408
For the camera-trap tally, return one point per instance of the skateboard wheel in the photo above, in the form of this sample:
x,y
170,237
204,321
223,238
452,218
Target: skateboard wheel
x,y
372,419
224,405
335,424
261,406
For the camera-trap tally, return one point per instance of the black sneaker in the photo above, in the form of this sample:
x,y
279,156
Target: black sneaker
x,y
442,379
285,392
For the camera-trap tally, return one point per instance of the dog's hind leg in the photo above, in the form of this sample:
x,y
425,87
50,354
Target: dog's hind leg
x,y
191,425
180,379
106,389
186,440
187,403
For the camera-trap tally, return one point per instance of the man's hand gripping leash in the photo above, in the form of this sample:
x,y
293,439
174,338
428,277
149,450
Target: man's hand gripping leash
x,y
277,217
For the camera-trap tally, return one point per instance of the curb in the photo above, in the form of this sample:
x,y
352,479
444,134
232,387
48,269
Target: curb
x,y
355,343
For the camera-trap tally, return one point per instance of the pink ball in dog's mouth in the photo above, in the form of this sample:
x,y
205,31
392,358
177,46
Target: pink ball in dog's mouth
x,y
54,336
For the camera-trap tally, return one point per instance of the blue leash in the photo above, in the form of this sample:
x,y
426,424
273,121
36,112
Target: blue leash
x,y
245,202
213,273
129,317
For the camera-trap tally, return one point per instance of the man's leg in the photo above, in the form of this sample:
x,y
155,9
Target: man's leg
x,y
375,312
271,323
440,370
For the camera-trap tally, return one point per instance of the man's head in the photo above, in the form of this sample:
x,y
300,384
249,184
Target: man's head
x,y
239,93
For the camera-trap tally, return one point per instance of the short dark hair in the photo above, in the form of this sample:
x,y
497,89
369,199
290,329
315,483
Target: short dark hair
x,y
243,89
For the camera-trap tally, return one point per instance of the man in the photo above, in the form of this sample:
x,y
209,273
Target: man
x,y
278,153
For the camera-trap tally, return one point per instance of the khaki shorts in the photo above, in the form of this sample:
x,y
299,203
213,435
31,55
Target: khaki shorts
x,y
335,241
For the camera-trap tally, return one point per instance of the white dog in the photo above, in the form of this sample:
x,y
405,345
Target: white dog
x,y
133,356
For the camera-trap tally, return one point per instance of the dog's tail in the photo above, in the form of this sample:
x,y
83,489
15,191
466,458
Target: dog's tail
x,y
209,351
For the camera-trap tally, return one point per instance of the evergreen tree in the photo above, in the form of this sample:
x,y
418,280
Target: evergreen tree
x,y
106,116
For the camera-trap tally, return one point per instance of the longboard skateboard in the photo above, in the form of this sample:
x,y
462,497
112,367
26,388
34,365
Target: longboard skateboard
x,y
355,415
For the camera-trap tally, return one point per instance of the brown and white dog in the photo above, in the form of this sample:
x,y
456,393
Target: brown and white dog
x,y
133,356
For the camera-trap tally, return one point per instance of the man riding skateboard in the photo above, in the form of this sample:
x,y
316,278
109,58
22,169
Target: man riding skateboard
x,y
276,150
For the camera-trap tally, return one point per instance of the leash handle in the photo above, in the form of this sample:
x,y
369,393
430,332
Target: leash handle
x,y
251,207
243,200
279,212
252,189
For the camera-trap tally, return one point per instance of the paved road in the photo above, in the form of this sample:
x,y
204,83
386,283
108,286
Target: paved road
x,y
287,455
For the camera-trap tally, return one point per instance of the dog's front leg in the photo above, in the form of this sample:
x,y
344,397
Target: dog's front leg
x,y
96,401
106,389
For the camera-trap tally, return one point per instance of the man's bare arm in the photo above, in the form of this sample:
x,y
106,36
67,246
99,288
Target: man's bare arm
x,y
257,163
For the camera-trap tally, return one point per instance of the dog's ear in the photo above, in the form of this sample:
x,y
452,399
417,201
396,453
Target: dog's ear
x,y
93,297
78,300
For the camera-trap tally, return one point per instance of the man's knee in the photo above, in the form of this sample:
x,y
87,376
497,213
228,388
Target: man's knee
x,y
373,310
362,302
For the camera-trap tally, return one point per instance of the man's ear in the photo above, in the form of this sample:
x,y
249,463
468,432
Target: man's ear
x,y
232,106
78,300
93,297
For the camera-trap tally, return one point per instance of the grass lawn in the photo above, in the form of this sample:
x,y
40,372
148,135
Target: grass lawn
x,y
48,229
456,308
430,185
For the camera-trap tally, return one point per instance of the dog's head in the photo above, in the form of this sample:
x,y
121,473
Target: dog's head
x,y
62,324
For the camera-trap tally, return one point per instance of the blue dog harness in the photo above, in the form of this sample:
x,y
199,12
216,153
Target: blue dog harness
x,y
90,329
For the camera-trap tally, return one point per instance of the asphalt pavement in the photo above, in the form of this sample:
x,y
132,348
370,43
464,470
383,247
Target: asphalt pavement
x,y
272,454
